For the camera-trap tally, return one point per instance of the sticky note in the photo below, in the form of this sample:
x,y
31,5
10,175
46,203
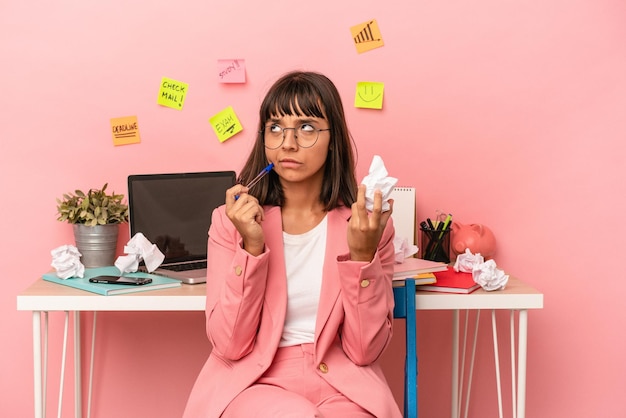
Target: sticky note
x,y
225,124
366,36
369,95
231,71
172,93
125,130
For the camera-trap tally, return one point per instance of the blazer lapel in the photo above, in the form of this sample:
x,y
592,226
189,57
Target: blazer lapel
x,y
336,244
276,288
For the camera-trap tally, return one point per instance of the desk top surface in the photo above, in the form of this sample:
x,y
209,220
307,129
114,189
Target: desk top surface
x,y
516,295
48,296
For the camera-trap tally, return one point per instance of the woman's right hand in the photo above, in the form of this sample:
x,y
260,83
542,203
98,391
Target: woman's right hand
x,y
246,214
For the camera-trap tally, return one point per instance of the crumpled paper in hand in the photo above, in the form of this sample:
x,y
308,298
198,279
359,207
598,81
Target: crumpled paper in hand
x,y
137,249
403,249
378,179
485,273
66,262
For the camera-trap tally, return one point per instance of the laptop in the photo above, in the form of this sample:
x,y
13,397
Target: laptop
x,y
174,212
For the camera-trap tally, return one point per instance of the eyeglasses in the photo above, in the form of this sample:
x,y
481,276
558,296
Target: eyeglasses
x,y
306,135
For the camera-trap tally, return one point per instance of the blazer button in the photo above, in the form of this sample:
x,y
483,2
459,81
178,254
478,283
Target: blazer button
x,y
365,283
323,368
238,270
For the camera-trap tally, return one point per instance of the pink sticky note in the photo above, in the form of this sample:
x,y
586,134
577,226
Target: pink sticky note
x,y
231,71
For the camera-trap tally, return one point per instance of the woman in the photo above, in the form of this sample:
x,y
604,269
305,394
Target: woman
x,y
299,297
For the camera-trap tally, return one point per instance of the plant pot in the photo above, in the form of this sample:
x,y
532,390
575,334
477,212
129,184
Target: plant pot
x,y
97,244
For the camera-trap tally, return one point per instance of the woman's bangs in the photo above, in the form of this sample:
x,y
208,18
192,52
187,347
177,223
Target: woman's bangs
x,y
295,101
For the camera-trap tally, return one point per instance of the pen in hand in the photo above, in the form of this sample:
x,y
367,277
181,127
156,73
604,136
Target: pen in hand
x,y
258,177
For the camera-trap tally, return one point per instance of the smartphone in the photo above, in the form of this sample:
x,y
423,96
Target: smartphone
x,y
136,281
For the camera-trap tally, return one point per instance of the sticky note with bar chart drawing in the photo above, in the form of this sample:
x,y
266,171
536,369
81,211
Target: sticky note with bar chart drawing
x,y
366,36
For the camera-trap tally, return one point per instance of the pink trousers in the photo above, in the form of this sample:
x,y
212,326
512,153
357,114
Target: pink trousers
x,y
291,388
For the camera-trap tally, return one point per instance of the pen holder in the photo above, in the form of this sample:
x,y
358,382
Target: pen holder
x,y
435,245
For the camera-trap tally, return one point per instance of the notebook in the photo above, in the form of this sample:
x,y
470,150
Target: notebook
x,y
451,281
174,212
404,212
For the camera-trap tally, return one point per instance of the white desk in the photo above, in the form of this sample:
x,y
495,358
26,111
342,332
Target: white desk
x,y
517,296
42,297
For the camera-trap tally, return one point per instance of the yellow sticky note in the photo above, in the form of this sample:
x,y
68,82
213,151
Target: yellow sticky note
x,y
366,36
125,130
369,95
172,93
225,124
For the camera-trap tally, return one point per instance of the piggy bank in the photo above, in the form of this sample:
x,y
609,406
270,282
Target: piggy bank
x,y
478,238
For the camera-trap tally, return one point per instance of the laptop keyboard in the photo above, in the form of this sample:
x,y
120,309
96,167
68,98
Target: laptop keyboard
x,y
186,266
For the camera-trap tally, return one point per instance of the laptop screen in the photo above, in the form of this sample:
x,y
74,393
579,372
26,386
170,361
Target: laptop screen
x,y
174,210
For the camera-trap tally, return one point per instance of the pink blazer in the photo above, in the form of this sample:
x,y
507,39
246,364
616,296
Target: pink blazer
x,y
246,306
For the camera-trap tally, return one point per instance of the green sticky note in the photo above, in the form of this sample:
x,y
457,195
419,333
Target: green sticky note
x,y
369,95
225,124
172,93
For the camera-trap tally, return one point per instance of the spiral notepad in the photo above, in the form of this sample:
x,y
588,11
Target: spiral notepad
x,y
404,212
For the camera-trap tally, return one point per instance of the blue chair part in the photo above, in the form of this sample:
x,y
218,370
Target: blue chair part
x,y
404,297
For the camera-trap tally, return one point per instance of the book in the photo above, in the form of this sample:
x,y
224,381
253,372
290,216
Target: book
x,y
412,266
451,281
158,282
424,278
420,279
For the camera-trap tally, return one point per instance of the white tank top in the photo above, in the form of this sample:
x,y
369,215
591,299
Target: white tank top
x,y
304,260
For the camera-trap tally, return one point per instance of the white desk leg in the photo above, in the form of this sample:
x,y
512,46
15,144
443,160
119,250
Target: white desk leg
x,y
497,360
38,382
78,408
64,356
513,392
521,363
45,363
455,364
471,372
462,353
91,361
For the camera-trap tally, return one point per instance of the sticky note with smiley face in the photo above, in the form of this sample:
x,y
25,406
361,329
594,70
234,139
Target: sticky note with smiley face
x,y
369,95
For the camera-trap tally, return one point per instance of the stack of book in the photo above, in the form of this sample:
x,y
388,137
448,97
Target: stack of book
x,y
422,271
450,281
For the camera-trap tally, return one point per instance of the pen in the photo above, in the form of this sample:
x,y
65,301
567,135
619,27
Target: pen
x,y
258,177
445,225
429,230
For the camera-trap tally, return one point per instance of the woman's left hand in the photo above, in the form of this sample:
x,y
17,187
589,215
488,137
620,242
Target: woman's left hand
x,y
365,229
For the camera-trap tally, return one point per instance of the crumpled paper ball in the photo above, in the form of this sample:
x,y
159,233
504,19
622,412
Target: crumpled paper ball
x,y
403,249
489,277
485,273
66,262
139,248
465,262
378,179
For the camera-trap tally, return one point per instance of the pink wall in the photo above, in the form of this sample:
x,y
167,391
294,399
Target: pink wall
x,y
510,114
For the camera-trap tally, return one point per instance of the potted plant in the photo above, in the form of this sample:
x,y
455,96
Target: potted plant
x,y
95,217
